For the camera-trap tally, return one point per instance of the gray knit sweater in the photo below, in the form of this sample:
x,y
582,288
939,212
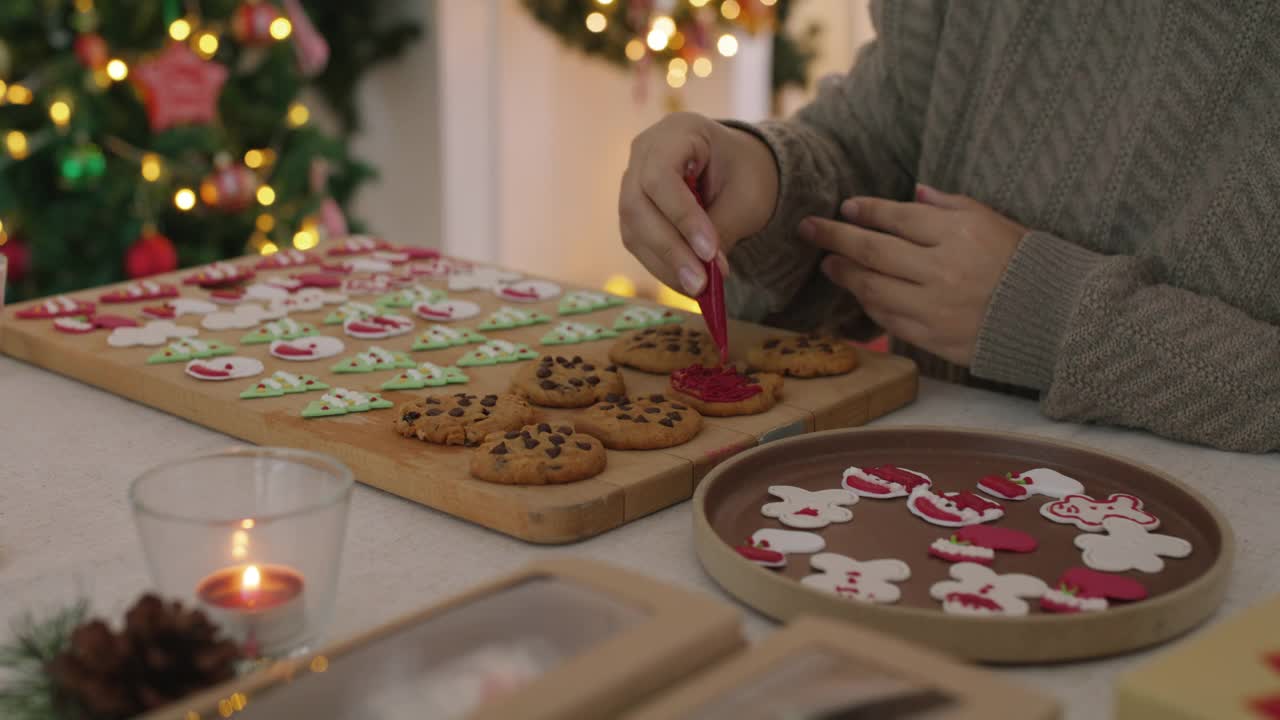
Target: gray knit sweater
x,y
1140,139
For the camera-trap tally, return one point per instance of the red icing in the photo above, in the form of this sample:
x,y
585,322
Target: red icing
x,y
319,280
997,538
927,508
428,312
37,311
966,500
890,473
1003,487
293,350
123,296
1273,659
227,294
111,322
1267,707
1048,604
950,557
160,311
714,384
418,253
974,600
206,371
811,512
520,294
1088,583
761,555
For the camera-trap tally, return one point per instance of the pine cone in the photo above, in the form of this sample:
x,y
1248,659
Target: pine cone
x,y
163,654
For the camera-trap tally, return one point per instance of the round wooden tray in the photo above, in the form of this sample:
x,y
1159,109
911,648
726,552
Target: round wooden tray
x,y
727,511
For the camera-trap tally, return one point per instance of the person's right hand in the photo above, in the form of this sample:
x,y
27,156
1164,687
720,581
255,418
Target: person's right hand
x,y
661,222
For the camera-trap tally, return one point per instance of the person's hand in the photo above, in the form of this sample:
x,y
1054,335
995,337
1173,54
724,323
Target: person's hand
x,y
924,271
661,222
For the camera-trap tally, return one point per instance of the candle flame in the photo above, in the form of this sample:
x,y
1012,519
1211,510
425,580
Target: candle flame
x,y
251,580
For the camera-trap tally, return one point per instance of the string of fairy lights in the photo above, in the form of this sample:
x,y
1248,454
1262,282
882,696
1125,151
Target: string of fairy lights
x,y
204,39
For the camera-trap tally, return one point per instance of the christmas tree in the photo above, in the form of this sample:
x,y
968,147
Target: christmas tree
x,y
145,135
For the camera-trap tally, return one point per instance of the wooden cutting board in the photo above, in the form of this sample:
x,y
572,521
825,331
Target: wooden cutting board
x,y
635,484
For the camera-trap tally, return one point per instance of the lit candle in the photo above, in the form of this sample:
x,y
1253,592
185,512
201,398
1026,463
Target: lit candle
x,y
261,605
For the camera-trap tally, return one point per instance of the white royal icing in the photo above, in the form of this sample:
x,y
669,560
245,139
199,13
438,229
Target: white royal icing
x,y
807,509
870,581
1128,546
153,334
977,590
1088,514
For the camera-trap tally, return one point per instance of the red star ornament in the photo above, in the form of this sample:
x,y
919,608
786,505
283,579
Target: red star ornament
x,y
178,87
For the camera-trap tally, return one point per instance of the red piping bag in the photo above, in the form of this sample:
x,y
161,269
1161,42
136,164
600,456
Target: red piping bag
x,y
711,299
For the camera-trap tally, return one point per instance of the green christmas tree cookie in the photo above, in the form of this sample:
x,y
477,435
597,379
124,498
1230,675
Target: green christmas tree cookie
x,y
375,358
282,383
410,296
438,337
190,349
495,352
569,333
350,310
638,317
341,401
283,329
426,375
506,318
585,301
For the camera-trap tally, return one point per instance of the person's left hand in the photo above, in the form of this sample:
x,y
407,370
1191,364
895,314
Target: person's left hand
x,y
924,271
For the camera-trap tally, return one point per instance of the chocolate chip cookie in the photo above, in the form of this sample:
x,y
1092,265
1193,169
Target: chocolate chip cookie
x,y
462,418
558,381
642,422
663,349
538,455
725,392
804,356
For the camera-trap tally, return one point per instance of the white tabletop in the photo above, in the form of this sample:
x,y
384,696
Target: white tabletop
x,y
69,451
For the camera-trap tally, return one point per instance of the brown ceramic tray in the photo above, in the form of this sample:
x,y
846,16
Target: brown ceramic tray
x,y
727,510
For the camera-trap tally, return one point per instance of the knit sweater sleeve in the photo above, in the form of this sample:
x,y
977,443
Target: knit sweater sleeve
x,y
1105,341
861,135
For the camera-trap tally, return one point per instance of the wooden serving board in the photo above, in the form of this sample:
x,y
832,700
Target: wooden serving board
x,y
635,484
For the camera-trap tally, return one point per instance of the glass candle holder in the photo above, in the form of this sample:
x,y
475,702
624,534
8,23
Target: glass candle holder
x,y
252,536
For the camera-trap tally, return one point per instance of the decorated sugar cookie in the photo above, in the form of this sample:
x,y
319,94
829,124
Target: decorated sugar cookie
x,y
770,546
177,307
527,291
479,278
224,368
321,280
639,317
446,310
1087,514
408,252
358,245
358,264
190,349
569,333
883,481
267,292
437,267
140,291
585,301
977,590
952,509
439,337
153,334
307,348
809,509
375,358
1084,590
377,327
426,375
395,257
506,318
284,329
219,273
56,307
494,352
869,581
341,401
80,324
282,383
226,296
1127,545
350,310
1020,486
306,300
282,259
979,543
410,296
241,317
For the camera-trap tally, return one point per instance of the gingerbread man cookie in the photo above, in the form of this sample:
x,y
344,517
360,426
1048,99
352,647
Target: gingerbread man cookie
x,y
1087,514
809,509
870,581
977,590
1127,545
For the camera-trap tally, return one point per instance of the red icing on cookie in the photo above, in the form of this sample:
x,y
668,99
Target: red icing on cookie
x,y
293,350
227,294
891,474
319,280
518,294
724,385
206,371
763,556
1089,583
428,312
974,600
165,311
1005,487
1268,707
926,507
811,512
997,538
1273,659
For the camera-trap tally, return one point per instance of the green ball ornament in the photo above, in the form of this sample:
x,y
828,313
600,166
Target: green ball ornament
x,y
81,167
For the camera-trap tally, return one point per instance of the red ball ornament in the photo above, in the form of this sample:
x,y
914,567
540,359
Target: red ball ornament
x,y
151,254
91,50
18,256
251,23
230,187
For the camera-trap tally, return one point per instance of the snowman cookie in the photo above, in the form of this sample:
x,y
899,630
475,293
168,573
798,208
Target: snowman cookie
x,y
224,368
808,509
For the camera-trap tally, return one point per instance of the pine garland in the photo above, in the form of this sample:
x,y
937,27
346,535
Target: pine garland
x,y
29,692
